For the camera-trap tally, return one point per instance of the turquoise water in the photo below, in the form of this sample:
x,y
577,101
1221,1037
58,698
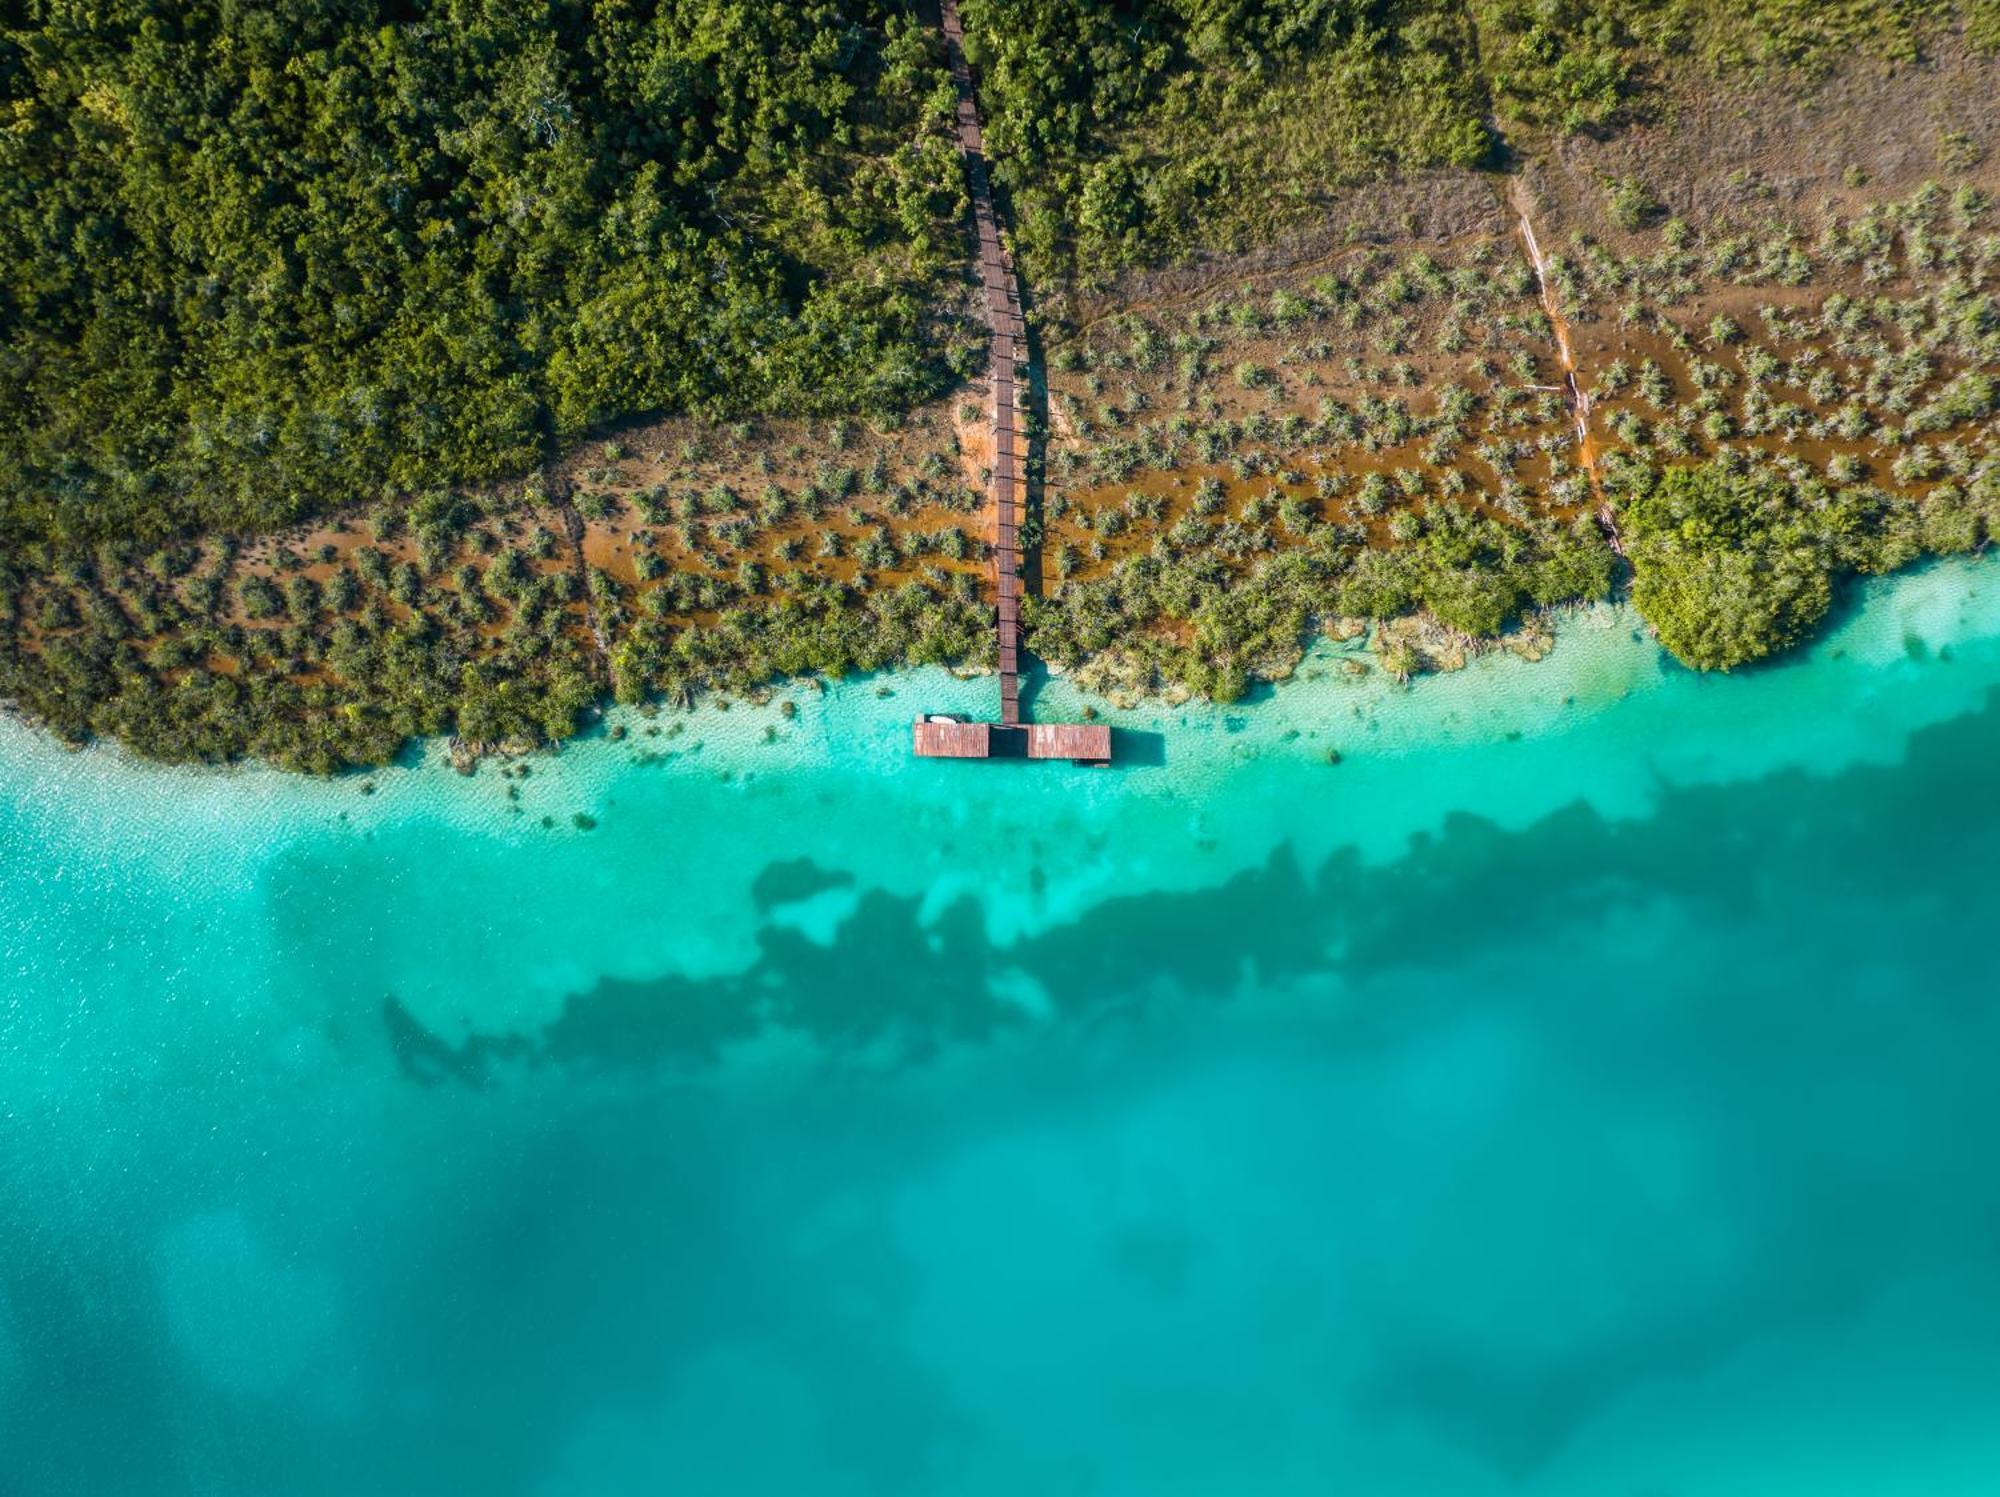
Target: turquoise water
x,y
1584,1086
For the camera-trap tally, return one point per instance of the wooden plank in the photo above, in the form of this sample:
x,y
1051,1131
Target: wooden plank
x,y
1006,357
1090,742
943,739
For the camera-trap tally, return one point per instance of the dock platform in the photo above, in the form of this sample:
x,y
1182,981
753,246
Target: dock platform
x,y
939,737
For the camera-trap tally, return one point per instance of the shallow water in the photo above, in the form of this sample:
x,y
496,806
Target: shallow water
x,y
1584,1086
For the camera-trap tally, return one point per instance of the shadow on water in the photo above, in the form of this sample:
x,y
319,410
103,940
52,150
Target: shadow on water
x,y
1798,1051
1030,681
893,974
1138,748
1849,601
1759,1031
794,879
429,1060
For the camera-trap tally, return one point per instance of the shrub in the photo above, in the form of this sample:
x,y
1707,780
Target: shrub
x,y
1726,567
259,597
1633,204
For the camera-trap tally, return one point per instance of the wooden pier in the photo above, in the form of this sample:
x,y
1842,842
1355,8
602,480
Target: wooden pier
x,y
1007,359
940,737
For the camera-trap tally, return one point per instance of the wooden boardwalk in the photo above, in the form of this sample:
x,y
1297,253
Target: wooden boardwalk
x,y
1007,360
1007,355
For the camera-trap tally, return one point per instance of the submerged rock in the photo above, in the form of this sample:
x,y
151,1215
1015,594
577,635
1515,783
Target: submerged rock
x,y
465,753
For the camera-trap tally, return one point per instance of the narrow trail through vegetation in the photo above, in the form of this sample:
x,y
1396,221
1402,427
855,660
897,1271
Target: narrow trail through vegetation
x,y
573,534
1573,391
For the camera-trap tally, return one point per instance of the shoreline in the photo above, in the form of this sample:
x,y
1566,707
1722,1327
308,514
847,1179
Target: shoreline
x,y
573,865
1412,713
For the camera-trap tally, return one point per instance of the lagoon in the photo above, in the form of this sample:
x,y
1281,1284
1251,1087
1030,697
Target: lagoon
x,y
1584,1085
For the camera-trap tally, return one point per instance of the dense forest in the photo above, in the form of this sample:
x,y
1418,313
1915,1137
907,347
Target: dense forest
x,y
1129,132
256,259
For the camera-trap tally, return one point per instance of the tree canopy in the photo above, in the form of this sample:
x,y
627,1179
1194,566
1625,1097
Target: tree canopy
x,y
1127,131
259,258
